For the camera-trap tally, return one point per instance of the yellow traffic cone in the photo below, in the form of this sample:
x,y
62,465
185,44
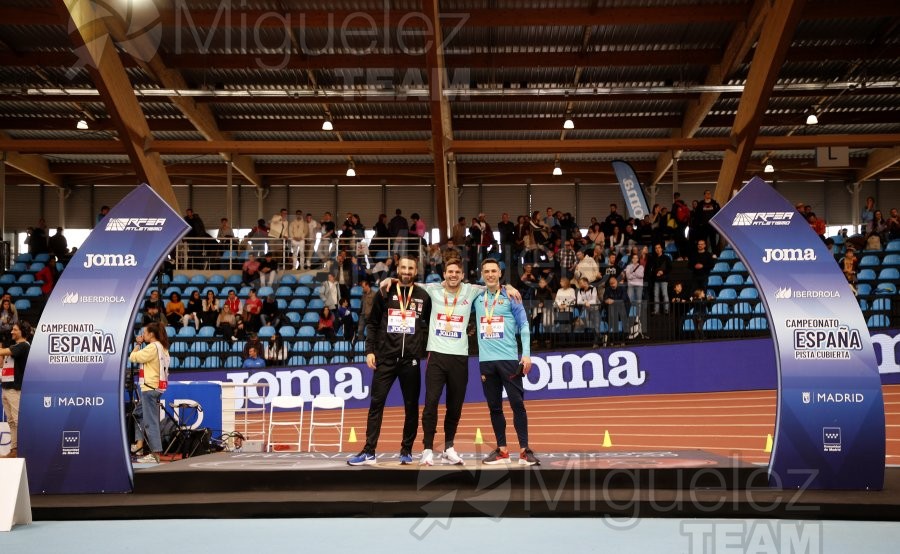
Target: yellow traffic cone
x,y
352,435
607,442
478,438
768,443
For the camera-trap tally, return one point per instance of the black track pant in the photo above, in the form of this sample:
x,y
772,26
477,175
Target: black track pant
x,y
450,371
386,372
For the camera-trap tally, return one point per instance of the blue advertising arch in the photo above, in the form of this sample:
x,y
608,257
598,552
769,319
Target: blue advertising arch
x,y
72,423
830,426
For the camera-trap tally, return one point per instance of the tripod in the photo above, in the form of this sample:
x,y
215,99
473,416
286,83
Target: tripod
x,y
186,440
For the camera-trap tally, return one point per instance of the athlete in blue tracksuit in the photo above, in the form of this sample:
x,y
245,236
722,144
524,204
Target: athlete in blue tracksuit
x,y
497,322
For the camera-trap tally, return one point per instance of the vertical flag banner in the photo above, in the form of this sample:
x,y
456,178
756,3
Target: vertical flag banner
x,y
830,427
631,190
72,428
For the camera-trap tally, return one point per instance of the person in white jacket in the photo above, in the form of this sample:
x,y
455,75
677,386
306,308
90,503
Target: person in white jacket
x,y
634,278
298,230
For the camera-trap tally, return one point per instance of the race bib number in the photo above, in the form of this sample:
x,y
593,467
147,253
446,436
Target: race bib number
x,y
493,330
452,327
401,322
8,373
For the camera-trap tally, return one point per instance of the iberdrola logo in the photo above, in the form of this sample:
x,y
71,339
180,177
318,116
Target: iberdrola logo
x,y
134,27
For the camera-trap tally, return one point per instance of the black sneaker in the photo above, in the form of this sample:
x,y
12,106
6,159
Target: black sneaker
x,y
497,457
527,458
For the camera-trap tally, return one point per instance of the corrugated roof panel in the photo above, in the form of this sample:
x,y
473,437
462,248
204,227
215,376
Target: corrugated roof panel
x,y
385,136
178,135
302,136
505,135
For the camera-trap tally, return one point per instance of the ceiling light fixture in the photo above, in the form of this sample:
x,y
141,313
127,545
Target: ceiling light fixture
x,y
557,170
769,168
351,171
327,125
568,123
811,119
82,124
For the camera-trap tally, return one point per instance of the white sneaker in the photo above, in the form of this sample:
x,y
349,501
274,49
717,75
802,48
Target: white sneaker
x,y
451,457
148,459
427,458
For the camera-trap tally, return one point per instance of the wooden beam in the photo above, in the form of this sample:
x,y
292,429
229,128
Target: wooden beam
x,y
774,39
31,164
739,45
108,74
878,161
441,120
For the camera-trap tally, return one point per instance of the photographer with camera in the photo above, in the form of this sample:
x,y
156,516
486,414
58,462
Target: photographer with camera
x,y
151,350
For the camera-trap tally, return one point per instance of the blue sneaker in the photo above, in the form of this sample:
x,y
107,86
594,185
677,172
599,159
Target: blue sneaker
x,y
405,458
362,459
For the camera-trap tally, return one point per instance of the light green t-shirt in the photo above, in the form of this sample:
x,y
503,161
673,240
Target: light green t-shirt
x,y
447,329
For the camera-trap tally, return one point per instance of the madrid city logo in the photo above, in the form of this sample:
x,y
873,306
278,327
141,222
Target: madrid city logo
x,y
131,27
762,219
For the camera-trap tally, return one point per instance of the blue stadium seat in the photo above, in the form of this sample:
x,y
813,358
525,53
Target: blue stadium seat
x,y
863,289
266,331
234,279
178,347
221,346
749,280
207,331
7,279
739,266
306,279
198,279
343,346
22,304
281,303
734,324
889,274
721,267
360,347
743,308
296,360
734,281
315,304
174,363
306,331
886,288
238,346
233,362
310,317
720,308
297,304
302,291
215,279
264,292
318,360
284,291
212,362
293,317
322,346
301,346
687,326
19,267
727,294
866,275
881,305
359,359
893,246
712,324
191,362
199,347
715,281
863,304
433,278
891,259
23,258
187,331
355,304
749,293
869,260
287,331
356,291
43,257
878,321
180,279
170,331
33,291
288,279
15,291
25,279
728,254
758,324
339,360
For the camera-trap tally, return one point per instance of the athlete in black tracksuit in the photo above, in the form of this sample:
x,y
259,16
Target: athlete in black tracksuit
x,y
398,350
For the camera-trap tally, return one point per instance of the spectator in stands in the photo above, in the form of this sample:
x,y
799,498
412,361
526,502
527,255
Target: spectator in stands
x,y
701,262
589,303
539,231
344,319
850,266
211,309
659,268
314,227
383,270
9,317
253,361
542,313
705,211
342,270
233,302
103,211
567,259
326,325
528,280
893,225
867,214
276,351
507,230
48,275
258,237
417,232
435,262
613,221
152,315
873,241
700,304
298,231
250,271
270,314
565,296
252,342
226,323
225,230
617,305
634,279
330,292
175,310
382,237
488,242
586,267
879,226
58,244
279,231
252,311
615,240
365,308
595,236
268,270
193,310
